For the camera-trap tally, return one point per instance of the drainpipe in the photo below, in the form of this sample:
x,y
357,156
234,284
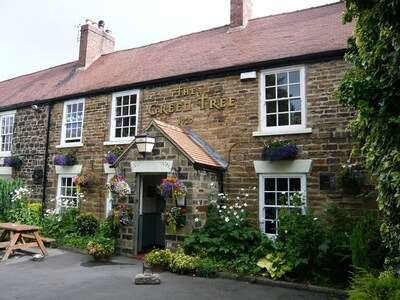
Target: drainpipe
x,y
46,157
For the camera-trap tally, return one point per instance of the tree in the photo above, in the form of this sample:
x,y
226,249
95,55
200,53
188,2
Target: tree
x,y
372,87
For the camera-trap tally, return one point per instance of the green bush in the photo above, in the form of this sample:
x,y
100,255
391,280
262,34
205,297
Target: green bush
x,y
60,225
182,263
161,257
365,286
366,244
107,228
205,268
7,186
86,224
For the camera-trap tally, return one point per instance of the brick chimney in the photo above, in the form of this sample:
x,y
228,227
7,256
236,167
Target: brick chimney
x,y
241,11
94,42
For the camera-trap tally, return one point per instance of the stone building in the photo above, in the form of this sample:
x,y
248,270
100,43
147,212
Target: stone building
x,y
210,99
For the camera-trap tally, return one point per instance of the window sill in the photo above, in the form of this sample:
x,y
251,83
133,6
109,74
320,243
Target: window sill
x,y
75,169
282,132
72,145
111,143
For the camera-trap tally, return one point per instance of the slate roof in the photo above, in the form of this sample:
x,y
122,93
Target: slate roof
x,y
283,38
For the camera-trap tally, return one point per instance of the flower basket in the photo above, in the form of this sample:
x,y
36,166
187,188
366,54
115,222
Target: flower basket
x,y
83,180
351,176
279,150
174,218
14,161
122,215
112,155
66,158
172,188
118,186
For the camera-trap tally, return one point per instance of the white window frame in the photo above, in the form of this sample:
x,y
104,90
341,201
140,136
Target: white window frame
x,y
263,206
61,206
6,115
109,198
64,142
113,118
284,129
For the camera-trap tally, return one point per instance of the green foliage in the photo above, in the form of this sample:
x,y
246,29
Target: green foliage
x,y
86,224
6,187
229,239
182,263
317,248
100,245
107,228
206,268
365,286
371,87
276,265
161,257
366,244
60,225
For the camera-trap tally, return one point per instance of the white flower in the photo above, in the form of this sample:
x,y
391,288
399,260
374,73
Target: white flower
x,y
230,207
285,231
234,213
218,206
245,204
196,220
242,189
246,195
226,219
315,219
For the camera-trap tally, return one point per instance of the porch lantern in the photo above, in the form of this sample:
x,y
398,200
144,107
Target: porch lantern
x,y
144,143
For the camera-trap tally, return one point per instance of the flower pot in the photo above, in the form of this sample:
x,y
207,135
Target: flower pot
x,y
181,201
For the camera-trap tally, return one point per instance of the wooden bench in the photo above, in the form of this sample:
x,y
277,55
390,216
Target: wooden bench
x,y
32,237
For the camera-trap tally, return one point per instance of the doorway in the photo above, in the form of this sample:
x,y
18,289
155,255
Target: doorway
x,y
151,230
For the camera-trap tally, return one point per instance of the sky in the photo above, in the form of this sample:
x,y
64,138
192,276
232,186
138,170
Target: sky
x,y
39,34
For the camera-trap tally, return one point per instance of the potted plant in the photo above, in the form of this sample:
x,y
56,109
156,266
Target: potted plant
x,y
83,180
173,188
66,158
14,161
158,259
279,149
174,218
118,186
112,155
100,247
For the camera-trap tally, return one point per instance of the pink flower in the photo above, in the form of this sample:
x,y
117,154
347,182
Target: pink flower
x,y
93,250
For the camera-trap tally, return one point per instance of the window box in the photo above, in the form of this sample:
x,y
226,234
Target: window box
x,y
69,169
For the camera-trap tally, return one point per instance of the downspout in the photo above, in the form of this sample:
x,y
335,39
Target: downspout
x,y
46,157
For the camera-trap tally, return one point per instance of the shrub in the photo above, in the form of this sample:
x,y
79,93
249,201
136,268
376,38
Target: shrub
x,y
86,224
159,257
100,245
6,188
107,228
365,286
366,243
205,268
182,263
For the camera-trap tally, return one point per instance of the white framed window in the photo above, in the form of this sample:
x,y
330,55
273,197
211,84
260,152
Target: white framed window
x,y
283,101
67,195
280,192
6,132
72,127
124,113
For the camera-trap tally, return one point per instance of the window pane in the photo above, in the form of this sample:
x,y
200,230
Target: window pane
x,y
269,184
294,90
294,76
282,184
295,184
282,92
271,93
269,199
283,106
271,120
283,119
270,80
295,105
295,118
271,107
282,78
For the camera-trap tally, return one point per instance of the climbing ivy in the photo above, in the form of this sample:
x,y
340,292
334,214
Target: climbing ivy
x,y
372,88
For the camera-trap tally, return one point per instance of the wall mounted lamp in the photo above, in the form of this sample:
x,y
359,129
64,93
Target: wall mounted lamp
x,y
144,143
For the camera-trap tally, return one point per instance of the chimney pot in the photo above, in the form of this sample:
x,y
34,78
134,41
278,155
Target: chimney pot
x,y
101,24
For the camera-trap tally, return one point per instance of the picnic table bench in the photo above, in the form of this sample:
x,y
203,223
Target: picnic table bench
x,y
14,235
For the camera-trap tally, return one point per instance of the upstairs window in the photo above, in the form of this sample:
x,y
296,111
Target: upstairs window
x,y
6,132
73,122
283,102
124,115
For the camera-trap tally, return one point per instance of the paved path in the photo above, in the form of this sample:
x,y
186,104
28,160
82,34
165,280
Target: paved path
x,y
70,275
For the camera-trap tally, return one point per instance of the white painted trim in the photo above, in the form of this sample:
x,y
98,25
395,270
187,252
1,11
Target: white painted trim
x,y
72,145
108,170
151,166
286,132
63,127
75,169
112,143
5,170
283,166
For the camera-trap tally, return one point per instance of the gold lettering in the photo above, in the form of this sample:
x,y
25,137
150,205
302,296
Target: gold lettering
x,y
231,102
222,102
179,106
213,104
202,100
171,108
152,110
187,105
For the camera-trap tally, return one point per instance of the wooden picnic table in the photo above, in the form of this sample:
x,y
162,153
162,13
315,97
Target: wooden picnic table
x,y
14,235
